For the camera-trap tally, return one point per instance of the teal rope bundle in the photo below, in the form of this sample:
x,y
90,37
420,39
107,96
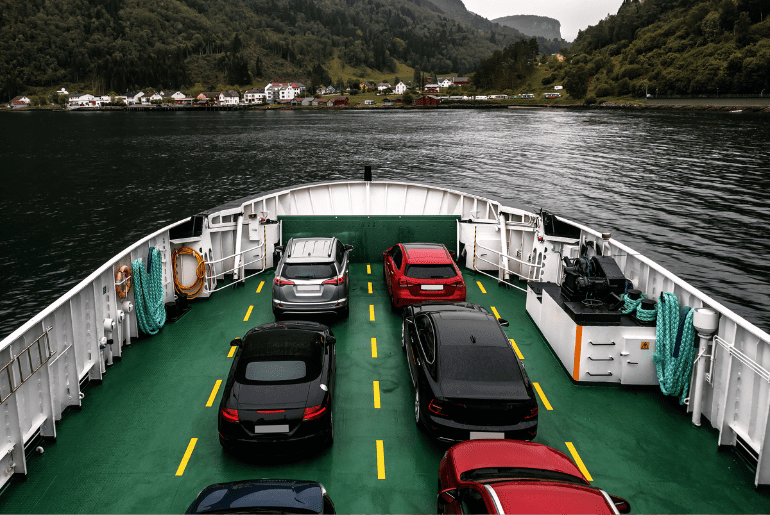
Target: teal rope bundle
x,y
646,315
674,360
630,304
148,295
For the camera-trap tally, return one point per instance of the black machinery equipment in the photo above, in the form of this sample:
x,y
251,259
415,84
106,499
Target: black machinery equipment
x,y
595,278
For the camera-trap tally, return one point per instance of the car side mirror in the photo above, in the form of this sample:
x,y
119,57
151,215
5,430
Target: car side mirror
x,y
503,322
447,496
331,339
621,504
236,342
384,254
347,248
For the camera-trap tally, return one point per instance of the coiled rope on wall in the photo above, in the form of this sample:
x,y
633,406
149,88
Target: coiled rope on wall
x,y
148,296
674,346
196,288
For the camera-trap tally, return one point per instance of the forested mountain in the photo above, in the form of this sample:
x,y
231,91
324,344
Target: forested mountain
x,y
117,45
686,47
531,25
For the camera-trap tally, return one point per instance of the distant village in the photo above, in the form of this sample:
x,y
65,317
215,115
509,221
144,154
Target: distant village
x,y
277,93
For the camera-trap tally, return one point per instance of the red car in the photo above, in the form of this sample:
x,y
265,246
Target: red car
x,y
419,272
511,476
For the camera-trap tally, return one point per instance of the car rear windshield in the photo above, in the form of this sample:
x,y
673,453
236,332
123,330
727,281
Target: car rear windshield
x,y
473,363
309,271
280,357
518,473
430,271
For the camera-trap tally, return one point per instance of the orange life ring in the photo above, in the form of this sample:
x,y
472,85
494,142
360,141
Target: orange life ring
x,y
123,281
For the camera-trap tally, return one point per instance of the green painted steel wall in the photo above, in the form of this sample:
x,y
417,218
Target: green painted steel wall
x,y
372,235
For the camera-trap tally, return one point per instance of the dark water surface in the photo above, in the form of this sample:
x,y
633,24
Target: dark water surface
x,y
688,190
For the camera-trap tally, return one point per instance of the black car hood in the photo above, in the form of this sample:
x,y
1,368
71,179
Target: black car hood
x,y
268,396
267,493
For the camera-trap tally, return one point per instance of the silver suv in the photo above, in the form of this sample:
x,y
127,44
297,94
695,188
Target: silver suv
x,y
312,276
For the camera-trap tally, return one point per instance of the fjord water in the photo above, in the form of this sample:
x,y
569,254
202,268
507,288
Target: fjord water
x,y
687,189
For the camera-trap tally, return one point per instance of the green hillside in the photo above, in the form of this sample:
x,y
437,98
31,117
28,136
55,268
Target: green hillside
x,y
672,47
117,45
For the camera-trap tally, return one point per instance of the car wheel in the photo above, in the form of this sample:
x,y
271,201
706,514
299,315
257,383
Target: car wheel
x,y
345,312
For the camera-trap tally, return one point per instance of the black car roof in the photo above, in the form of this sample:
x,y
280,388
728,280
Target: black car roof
x,y
448,306
266,493
469,328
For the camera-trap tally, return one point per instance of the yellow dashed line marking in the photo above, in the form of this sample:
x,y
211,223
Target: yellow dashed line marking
x,y
542,396
248,314
259,288
371,312
370,287
376,386
516,348
374,347
214,393
369,269
232,351
481,287
380,460
578,461
186,457
497,315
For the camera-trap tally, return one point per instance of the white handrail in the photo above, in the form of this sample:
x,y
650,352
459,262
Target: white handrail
x,y
509,257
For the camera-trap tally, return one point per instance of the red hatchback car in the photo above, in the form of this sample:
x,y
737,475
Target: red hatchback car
x,y
511,476
419,272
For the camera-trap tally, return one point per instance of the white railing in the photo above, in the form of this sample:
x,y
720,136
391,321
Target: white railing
x,y
501,266
212,279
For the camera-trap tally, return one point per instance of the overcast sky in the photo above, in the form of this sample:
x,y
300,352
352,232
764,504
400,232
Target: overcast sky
x,y
573,15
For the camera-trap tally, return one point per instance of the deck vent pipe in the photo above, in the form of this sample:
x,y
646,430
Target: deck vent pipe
x,y
368,173
706,322
128,307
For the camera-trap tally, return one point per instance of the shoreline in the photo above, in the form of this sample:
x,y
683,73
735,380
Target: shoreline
x,y
658,105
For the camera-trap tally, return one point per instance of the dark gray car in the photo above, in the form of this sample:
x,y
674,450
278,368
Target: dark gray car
x,y
312,276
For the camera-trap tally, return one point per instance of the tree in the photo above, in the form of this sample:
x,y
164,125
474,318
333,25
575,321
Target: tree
x,y
236,45
417,78
408,97
742,29
576,83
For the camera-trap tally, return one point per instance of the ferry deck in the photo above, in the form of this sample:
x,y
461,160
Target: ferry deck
x,y
146,439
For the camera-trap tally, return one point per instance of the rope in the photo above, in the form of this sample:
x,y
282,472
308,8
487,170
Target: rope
x,y
674,346
631,304
148,296
195,288
646,315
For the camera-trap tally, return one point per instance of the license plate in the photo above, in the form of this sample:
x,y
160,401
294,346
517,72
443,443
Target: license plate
x,y
311,287
432,287
282,428
482,435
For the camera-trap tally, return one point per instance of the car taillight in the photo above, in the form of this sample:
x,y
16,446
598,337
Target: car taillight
x,y
457,284
532,413
282,282
229,415
437,408
335,280
315,412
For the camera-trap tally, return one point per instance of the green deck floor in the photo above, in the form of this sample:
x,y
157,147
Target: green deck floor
x,y
120,453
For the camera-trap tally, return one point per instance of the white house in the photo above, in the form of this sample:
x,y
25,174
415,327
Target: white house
x,y
284,90
120,98
62,92
400,88
431,88
382,86
558,87
20,101
84,100
230,98
178,96
255,96
445,82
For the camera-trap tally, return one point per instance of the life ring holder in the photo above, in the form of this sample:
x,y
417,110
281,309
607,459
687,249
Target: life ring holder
x,y
123,281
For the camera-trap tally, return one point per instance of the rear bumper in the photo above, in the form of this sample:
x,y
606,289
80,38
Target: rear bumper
x,y
447,430
332,306
276,446
406,298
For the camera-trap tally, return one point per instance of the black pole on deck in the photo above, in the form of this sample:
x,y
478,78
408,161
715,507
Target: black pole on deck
x,y
368,173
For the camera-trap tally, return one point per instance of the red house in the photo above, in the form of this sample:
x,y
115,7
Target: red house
x,y
341,101
427,100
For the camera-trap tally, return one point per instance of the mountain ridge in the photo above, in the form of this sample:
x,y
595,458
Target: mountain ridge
x,y
532,25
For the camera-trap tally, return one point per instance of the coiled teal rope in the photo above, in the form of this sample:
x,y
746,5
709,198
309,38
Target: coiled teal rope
x,y
647,315
673,369
148,296
630,304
